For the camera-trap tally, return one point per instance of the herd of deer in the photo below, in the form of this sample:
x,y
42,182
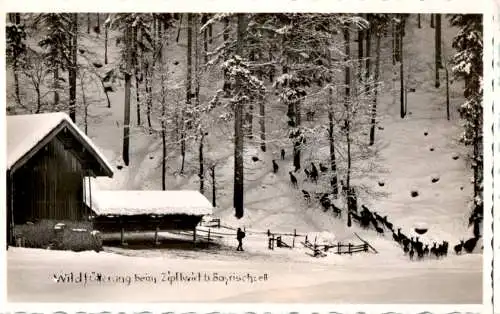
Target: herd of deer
x,y
366,218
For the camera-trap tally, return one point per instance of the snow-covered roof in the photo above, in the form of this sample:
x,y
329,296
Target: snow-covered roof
x,y
130,203
25,132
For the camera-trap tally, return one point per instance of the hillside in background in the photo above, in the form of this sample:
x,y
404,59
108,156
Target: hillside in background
x,y
420,154
403,159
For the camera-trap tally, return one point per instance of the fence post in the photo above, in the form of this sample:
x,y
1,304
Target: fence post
x,y
305,241
156,236
122,236
218,223
268,232
339,247
271,242
365,247
208,236
294,235
349,247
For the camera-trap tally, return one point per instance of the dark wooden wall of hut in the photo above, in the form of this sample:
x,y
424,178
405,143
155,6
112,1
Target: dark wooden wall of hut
x,y
145,223
49,186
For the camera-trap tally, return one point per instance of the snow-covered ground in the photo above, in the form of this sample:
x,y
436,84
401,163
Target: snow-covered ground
x,y
382,278
288,275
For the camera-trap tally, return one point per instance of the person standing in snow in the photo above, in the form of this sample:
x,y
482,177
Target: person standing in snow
x,y
239,236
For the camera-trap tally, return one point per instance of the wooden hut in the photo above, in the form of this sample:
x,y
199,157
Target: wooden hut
x,y
48,158
122,211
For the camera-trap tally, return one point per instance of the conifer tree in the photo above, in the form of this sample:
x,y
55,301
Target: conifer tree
x,y
468,65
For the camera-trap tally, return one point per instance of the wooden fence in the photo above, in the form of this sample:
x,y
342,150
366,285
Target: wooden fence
x,y
319,250
288,240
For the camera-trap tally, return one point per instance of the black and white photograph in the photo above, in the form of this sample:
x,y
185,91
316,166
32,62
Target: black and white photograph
x,y
245,157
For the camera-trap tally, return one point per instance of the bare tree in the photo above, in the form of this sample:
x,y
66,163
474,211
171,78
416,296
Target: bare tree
x,y
73,67
163,118
375,92
128,75
347,99
98,25
88,23
35,70
106,41
438,49
135,60
238,131
401,26
204,18
189,74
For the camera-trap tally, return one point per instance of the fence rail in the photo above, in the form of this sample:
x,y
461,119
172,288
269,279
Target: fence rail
x,y
276,240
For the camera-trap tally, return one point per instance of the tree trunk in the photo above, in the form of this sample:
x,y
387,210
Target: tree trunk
x,y
201,174
262,122
375,92
210,34
149,95
16,19
189,72
179,29
393,42
368,56
476,160
163,131
361,36
438,49
205,38
419,21
368,59
154,34
331,140
447,92
238,132
73,67
159,37
214,199
98,25
149,70
401,74
397,41
85,106
432,20
126,116
56,86
88,23
164,156
197,73
136,38
16,82
347,83
106,43
39,100
225,37
249,115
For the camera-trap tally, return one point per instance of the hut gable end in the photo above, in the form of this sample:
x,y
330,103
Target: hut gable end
x,y
27,134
